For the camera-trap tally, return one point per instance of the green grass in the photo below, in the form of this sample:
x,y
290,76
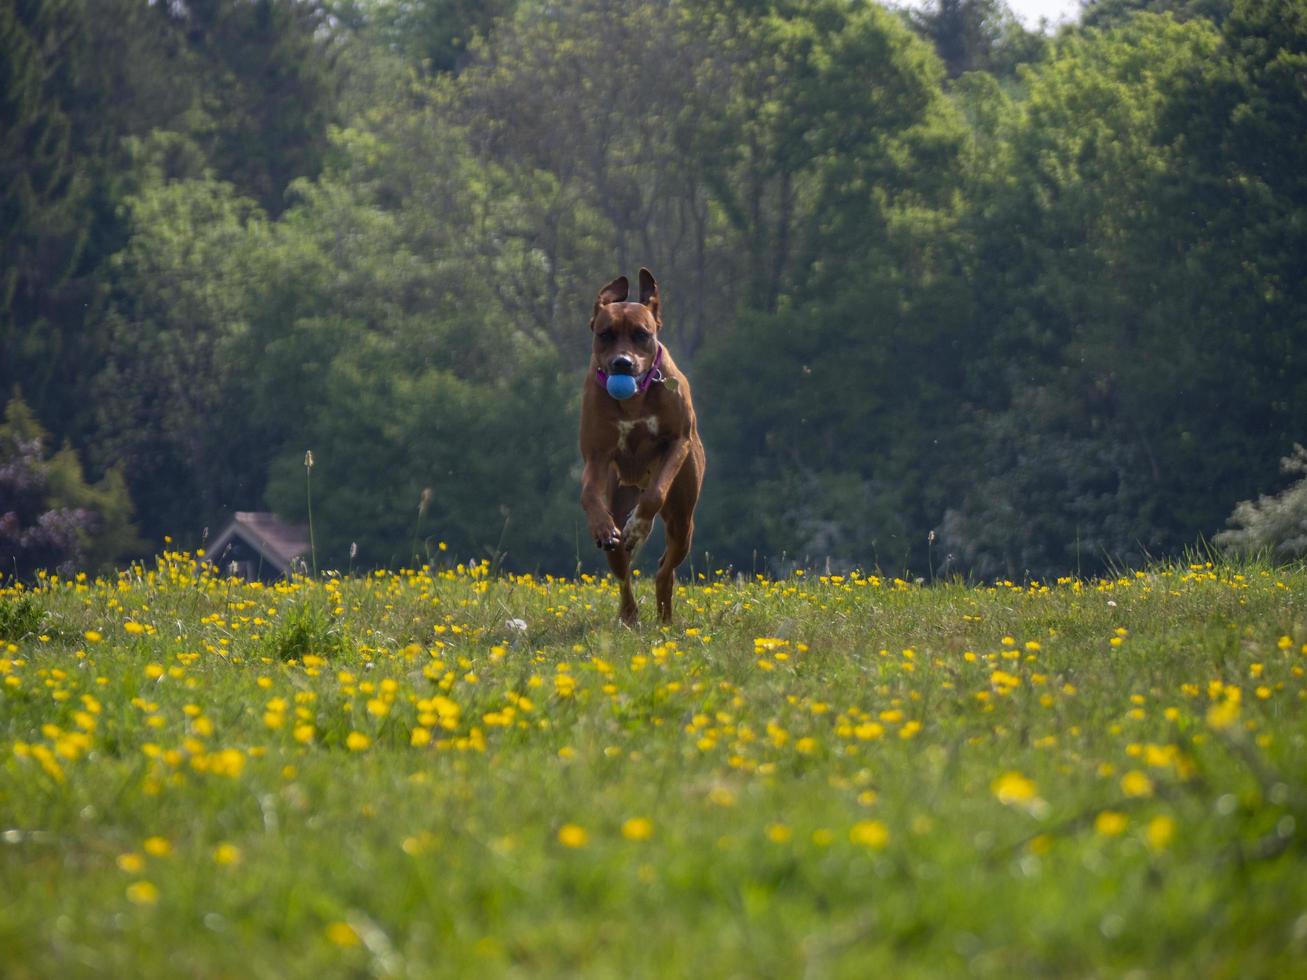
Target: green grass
x,y
829,777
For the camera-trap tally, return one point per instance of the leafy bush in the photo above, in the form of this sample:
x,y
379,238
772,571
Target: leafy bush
x,y
308,628
20,617
1275,525
50,517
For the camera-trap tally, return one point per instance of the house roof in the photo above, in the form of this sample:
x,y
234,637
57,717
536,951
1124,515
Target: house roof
x,y
279,543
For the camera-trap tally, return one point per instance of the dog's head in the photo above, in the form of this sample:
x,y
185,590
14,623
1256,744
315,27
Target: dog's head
x,y
626,334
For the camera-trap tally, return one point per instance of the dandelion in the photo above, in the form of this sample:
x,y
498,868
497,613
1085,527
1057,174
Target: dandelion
x,y
131,862
1013,788
1160,832
869,833
1111,823
721,796
93,636
227,854
573,836
637,828
1136,784
157,846
1223,715
142,893
357,741
868,730
342,934
779,833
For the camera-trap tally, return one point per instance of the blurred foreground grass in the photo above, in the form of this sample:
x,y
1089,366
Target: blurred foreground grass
x,y
448,773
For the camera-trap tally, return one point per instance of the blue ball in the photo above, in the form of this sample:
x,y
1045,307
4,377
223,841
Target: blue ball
x,y
621,386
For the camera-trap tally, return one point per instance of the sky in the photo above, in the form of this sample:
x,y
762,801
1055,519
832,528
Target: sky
x,y
1057,11
1030,11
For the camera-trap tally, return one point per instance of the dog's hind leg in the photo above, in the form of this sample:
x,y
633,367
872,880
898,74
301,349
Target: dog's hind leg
x,y
679,534
620,560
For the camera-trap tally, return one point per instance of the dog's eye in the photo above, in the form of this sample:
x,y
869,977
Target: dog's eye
x,y
607,336
640,336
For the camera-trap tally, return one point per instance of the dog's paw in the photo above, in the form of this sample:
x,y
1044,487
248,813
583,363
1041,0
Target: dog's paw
x,y
609,538
636,530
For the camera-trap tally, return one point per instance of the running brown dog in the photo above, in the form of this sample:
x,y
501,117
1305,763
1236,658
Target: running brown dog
x,y
642,453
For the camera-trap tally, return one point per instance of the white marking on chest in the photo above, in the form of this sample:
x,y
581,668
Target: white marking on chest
x,y
625,428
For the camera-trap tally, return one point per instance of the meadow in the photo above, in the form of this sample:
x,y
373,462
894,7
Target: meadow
x,y
451,772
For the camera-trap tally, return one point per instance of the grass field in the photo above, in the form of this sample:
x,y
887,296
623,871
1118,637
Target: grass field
x,y
450,773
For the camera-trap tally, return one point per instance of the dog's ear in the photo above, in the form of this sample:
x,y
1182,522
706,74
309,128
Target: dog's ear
x,y
649,293
615,292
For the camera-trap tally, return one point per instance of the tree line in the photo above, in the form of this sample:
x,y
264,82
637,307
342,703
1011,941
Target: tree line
x,y
957,297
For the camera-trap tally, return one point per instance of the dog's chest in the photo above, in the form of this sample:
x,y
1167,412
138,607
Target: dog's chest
x,y
637,447
630,432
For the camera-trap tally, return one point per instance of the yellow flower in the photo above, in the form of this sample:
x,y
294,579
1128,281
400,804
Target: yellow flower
x,y
1136,783
142,893
721,796
357,741
131,862
343,934
1012,787
1111,823
157,846
1223,715
1160,832
134,629
573,836
869,833
226,853
637,828
779,833
93,636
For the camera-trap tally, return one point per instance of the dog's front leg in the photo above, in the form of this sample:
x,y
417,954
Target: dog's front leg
x,y
594,492
640,523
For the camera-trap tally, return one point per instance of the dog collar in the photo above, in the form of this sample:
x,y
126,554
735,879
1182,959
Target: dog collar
x,y
643,382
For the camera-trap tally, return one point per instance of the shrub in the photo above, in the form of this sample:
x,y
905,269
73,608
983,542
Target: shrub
x,y
1272,525
50,517
20,617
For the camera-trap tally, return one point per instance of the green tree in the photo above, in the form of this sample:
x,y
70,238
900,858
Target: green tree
x,y
384,345
833,389
43,219
435,34
977,35
270,88
171,395
603,168
1118,344
1106,14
